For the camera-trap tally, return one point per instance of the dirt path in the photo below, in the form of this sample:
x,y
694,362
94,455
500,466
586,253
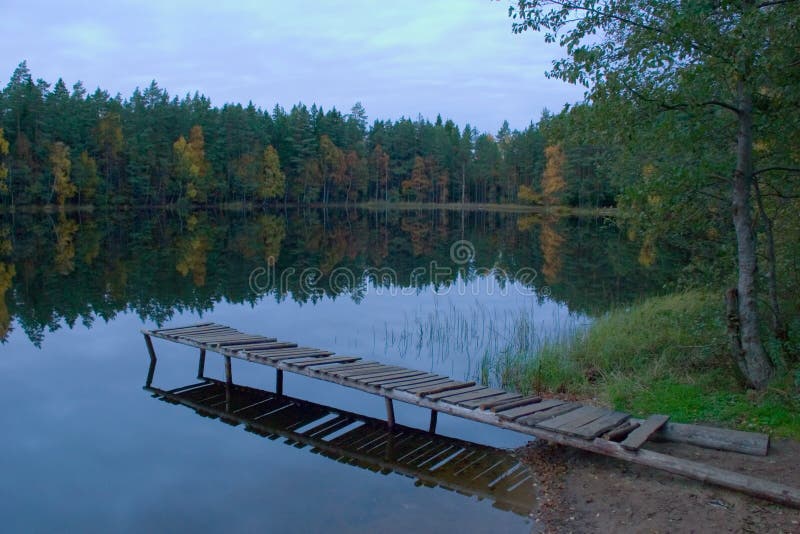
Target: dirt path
x,y
585,492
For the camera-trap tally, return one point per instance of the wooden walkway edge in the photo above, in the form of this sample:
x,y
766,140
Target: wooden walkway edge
x,y
570,424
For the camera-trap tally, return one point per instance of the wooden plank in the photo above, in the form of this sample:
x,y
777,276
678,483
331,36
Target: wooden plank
x,y
386,373
260,340
374,368
177,331
321,361
637,438
521,411
216,330
269,354
478,394
378,379
306,353
598,426
452,393
427,386
505,399
544,415
479,403
619,433
346,366
196,325
415,381
724,439
178,335
573,419
218,340
513,404
452,385
261,346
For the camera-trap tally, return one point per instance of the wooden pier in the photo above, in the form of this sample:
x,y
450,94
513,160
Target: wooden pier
x,y
590,428
364,442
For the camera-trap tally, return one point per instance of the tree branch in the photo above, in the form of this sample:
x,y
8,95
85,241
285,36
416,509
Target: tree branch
x,y
771,169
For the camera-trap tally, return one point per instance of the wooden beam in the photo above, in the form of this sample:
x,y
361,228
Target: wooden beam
x,y
389,412
600,425
279,382
228,370
724,439
619,433
432,425
756,487
637,438
196,325
150,349
201,366
528,409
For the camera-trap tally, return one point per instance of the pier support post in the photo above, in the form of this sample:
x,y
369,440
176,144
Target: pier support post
x,y
149,343
228,372
279,382
389,412
150,372
201,367
432,427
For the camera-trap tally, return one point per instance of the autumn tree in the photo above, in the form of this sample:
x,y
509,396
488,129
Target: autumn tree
x,y
61,168
419,184
553,176
191,167
273,183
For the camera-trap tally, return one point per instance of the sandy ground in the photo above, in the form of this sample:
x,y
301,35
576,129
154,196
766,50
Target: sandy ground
x,y
585,492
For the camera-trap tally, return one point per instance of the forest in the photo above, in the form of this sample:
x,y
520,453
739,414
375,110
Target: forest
x,y
73,147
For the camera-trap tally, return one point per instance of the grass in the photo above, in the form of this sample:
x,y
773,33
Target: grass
x,y
664,355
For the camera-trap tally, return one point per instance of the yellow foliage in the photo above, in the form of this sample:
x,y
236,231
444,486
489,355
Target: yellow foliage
x,y
193,259
654,200
190,164
526,222
647,254
273,184
64,259
550,242
553,175
61,167
7,272
527,195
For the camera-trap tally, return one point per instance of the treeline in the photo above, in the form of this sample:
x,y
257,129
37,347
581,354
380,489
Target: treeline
x,y
74,147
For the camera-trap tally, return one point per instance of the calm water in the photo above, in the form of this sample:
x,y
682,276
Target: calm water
x,y
87,449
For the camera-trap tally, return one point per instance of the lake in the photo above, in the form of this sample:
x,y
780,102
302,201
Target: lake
x,y
87,449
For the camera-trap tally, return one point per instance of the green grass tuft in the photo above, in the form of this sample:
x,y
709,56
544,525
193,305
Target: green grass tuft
x,y
664,355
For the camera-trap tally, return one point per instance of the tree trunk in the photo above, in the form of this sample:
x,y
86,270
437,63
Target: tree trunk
x,y
778,325
758,368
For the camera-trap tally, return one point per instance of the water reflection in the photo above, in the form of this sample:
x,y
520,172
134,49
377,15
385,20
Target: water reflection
x,y
80,267
431,460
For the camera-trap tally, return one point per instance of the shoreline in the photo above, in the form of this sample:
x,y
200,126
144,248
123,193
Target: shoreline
x,y
550,211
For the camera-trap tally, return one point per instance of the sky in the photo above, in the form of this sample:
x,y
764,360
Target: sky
x,y
457,58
